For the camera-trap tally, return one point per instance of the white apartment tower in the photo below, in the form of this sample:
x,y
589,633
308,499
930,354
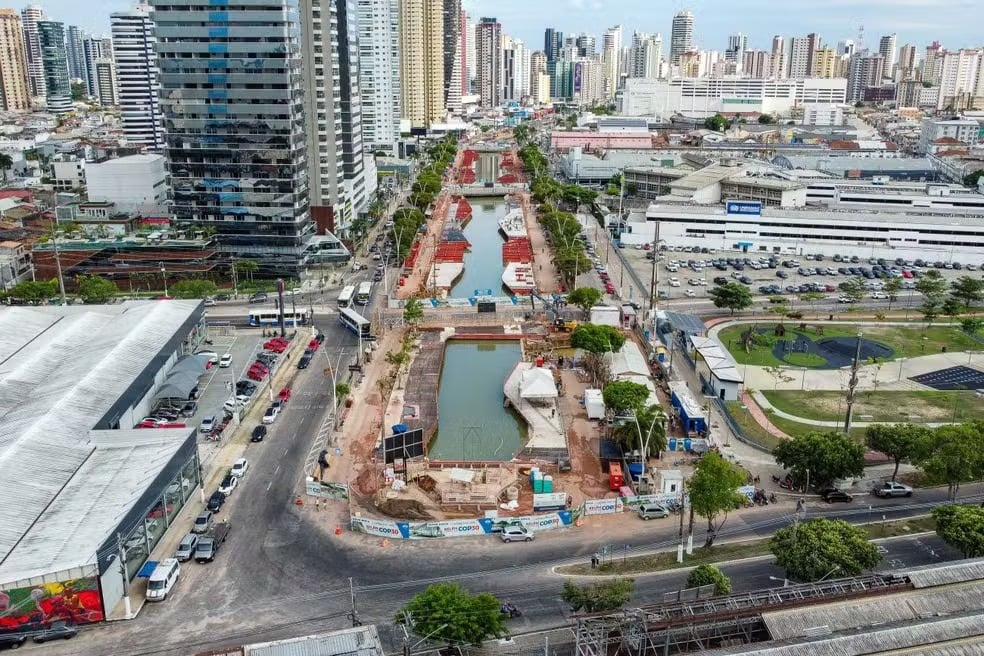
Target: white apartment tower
x,y
645,55
106,81
778,64
488,53
886,48
32,50
681,36
136,77
611,53
379,60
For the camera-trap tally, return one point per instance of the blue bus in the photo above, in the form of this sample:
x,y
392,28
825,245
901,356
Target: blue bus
x,y
355,322
267,318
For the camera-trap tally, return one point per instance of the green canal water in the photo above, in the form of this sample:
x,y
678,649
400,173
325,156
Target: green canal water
x,y
472,424
483,264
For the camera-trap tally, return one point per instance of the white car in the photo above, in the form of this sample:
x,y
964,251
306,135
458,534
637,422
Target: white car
x,y
208,423
674,282
213,357
225,361
228,484
239,468
690,293
878,295
270,415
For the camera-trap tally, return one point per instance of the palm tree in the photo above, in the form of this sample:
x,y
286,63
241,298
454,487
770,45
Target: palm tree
x,y
6,163
249,267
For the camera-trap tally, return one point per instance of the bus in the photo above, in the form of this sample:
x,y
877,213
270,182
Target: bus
x,y
364,294
345,298
267,318
355,322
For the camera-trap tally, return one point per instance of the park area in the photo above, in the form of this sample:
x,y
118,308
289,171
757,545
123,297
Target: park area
x,y
832,345
888,407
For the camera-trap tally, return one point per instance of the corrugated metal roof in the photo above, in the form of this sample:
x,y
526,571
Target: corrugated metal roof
x,y
958,572
872,611
358,641
61,369
912,637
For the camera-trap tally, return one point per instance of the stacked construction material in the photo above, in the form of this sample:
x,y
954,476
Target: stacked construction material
x,y
517,250
464,211
453,251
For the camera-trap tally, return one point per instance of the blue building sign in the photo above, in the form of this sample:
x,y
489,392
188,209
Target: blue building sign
x,y
749,207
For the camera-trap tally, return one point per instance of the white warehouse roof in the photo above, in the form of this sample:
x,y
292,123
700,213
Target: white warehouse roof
x,y
62,369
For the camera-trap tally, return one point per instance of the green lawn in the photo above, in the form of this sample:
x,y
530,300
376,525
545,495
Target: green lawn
x,y
905,341
930,406
750,428
794,428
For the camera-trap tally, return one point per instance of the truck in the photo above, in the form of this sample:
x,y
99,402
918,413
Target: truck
x,y
211,542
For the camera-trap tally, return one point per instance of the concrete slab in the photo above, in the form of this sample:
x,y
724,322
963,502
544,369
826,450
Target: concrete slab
x,y
546,426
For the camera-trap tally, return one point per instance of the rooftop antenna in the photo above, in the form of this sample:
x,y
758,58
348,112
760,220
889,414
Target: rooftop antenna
x,y
860,44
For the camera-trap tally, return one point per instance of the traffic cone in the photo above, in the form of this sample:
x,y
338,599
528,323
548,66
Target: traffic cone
x,y
299,501
338,530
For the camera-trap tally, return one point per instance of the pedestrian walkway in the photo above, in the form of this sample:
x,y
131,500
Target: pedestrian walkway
x,y
545,425
545,273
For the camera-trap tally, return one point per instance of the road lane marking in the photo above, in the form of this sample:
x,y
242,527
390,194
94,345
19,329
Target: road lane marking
x,y
270,484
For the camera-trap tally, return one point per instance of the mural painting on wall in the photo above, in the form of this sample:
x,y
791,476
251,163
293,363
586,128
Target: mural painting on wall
x,y
77,601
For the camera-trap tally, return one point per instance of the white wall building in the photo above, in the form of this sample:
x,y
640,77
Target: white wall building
x,y
130,182
817,114
68,174
136,77
966,131
700,97
379,61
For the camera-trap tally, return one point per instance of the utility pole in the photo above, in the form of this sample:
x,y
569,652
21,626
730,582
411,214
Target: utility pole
x,y
852,385
58,267
354,614
121,549
406,634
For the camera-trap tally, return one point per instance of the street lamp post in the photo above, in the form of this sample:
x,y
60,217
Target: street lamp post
x,y
164,276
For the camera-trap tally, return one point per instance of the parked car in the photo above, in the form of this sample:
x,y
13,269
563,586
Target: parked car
x,y
203,522
228,484
215,501
225,361
284,395
12,639
239,468
892,489
834,496
258,433
652,510
516,533
270,415
208,423
186,548
304,362
56,630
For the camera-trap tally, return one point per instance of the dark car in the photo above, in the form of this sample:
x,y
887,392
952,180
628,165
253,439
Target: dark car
x,y
57,630
258,433
782,274
259,297
215,501
720,280
12,639
245,387
834,496
222,297
304,362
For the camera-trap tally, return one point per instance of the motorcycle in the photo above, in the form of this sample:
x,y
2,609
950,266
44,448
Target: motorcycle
x,y
509,610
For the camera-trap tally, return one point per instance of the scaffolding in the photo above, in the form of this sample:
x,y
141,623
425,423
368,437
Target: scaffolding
x,y
696,624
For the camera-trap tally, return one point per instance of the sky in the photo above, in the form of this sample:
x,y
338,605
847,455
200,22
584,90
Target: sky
x,y
955,23
919,22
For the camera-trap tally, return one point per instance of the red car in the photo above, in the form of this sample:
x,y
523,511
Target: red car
x,y
276,345
314,344
285,395
257,374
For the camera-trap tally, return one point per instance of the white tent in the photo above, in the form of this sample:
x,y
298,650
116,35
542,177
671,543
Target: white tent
x,y
537,383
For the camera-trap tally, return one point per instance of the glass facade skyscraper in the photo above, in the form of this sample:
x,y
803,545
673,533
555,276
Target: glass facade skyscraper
x,y
232,98
54,60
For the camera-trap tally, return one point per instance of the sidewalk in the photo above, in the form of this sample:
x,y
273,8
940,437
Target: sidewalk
x,y
545,273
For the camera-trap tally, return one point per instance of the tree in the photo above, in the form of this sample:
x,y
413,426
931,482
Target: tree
x,y
853,288
952,307
584,298
716,123
968,290
194,288
932,286
413,311
713,491
342,390
78,91
449,613
599,373
897,441
647,429
34,291
95,289
709,575
766,119
953,454
826,456
731,296
248,267
624,396
598,597
971,179
819,548
6,163
813,299
961,527
596,338
892,288
971,325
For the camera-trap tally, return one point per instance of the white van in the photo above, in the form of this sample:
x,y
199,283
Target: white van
x,y
163,578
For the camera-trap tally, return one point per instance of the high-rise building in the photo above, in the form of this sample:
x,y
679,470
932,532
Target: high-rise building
x,y
737,44
463,41
611,53
778,63
802,56
54,58
32,50
907,63
234,127
932,63
827,63
13,65
886,48
587,81
136,77
379,63
422,61
106,79
333,112
73,44
452,55
960,73
488,52
586,45
553,42
866,70
755,64
845,47
645,55
539,80
510,68
93,49
681,36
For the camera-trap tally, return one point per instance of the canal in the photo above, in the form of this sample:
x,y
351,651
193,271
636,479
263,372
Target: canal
x,y
483,264
473,424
